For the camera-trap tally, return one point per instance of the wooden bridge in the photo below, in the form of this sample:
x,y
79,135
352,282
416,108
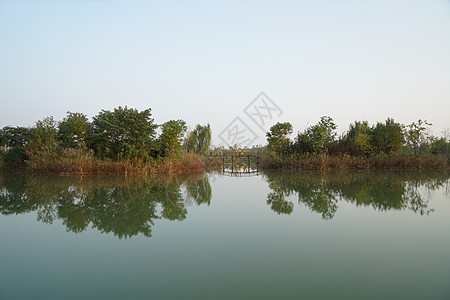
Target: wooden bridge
x,y
240,164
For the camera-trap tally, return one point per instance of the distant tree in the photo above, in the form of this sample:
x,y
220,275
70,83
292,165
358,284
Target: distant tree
x,y
316,138
386,137
198,140
359,134
13,142
11,137
171,137
124,134
43,136
416,135
74,130
278,137
440,146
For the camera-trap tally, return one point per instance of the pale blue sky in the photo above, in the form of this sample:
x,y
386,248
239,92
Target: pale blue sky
x,y
204,61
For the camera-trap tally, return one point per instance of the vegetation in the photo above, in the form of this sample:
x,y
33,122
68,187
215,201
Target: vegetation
x,y
122,141
316,138
278,138
125,141
387,145
198,140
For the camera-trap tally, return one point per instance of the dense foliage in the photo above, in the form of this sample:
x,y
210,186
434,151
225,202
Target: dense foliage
x,y
125,140
123,134
198,140
278,137
361,139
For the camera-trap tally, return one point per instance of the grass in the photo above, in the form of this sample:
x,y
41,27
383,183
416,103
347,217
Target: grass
x,y
81,162
346,162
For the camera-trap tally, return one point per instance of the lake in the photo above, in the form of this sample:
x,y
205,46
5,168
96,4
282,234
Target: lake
x,y
273,235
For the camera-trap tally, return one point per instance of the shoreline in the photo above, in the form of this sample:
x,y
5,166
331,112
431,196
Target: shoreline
x,y
192,163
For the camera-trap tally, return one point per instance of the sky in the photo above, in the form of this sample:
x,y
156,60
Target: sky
x,y
207,61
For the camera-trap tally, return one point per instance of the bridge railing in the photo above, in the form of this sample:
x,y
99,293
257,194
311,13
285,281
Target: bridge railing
x,y
240,164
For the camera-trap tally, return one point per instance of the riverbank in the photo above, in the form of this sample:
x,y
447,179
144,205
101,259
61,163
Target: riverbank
x,y
395,161
85,164
81,163
345,162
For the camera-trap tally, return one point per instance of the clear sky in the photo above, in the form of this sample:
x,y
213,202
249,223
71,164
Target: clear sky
x,y
205,61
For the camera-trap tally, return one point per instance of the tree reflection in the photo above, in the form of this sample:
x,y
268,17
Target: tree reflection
x,y
124,206
322,192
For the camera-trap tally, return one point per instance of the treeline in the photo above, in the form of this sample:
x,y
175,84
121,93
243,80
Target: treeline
x,y
119,141
382,145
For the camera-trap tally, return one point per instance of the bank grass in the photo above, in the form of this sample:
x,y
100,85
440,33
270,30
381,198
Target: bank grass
x,y
213,163
82,162
186,162
347,162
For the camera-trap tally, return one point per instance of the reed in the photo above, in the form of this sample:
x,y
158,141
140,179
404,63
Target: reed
x,y
83,162
213,163
346,162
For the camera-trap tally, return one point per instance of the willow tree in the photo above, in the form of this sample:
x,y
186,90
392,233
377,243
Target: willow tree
x,y
198,140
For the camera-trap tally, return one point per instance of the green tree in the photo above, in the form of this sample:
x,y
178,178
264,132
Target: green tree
x,y
74,130
43,136
440,146
13,142
171,137
416,135
386,137
198,140
124,133
359,134
316,138
278,137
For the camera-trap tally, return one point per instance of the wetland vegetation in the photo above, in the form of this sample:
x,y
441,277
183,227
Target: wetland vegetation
x,y
127,141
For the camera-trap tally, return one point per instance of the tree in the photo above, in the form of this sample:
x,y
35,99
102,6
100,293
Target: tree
x,y
416,136
386,137
358,134
171,137
43,137
124,134
317,137
198,140
73,130
278,137
13,141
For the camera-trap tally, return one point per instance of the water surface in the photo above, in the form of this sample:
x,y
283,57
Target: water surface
x,y
278,235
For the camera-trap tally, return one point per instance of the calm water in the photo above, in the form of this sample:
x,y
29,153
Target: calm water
x,y
279,235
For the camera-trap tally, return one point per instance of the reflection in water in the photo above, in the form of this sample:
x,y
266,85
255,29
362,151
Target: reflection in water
x,y
321,192
125,206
